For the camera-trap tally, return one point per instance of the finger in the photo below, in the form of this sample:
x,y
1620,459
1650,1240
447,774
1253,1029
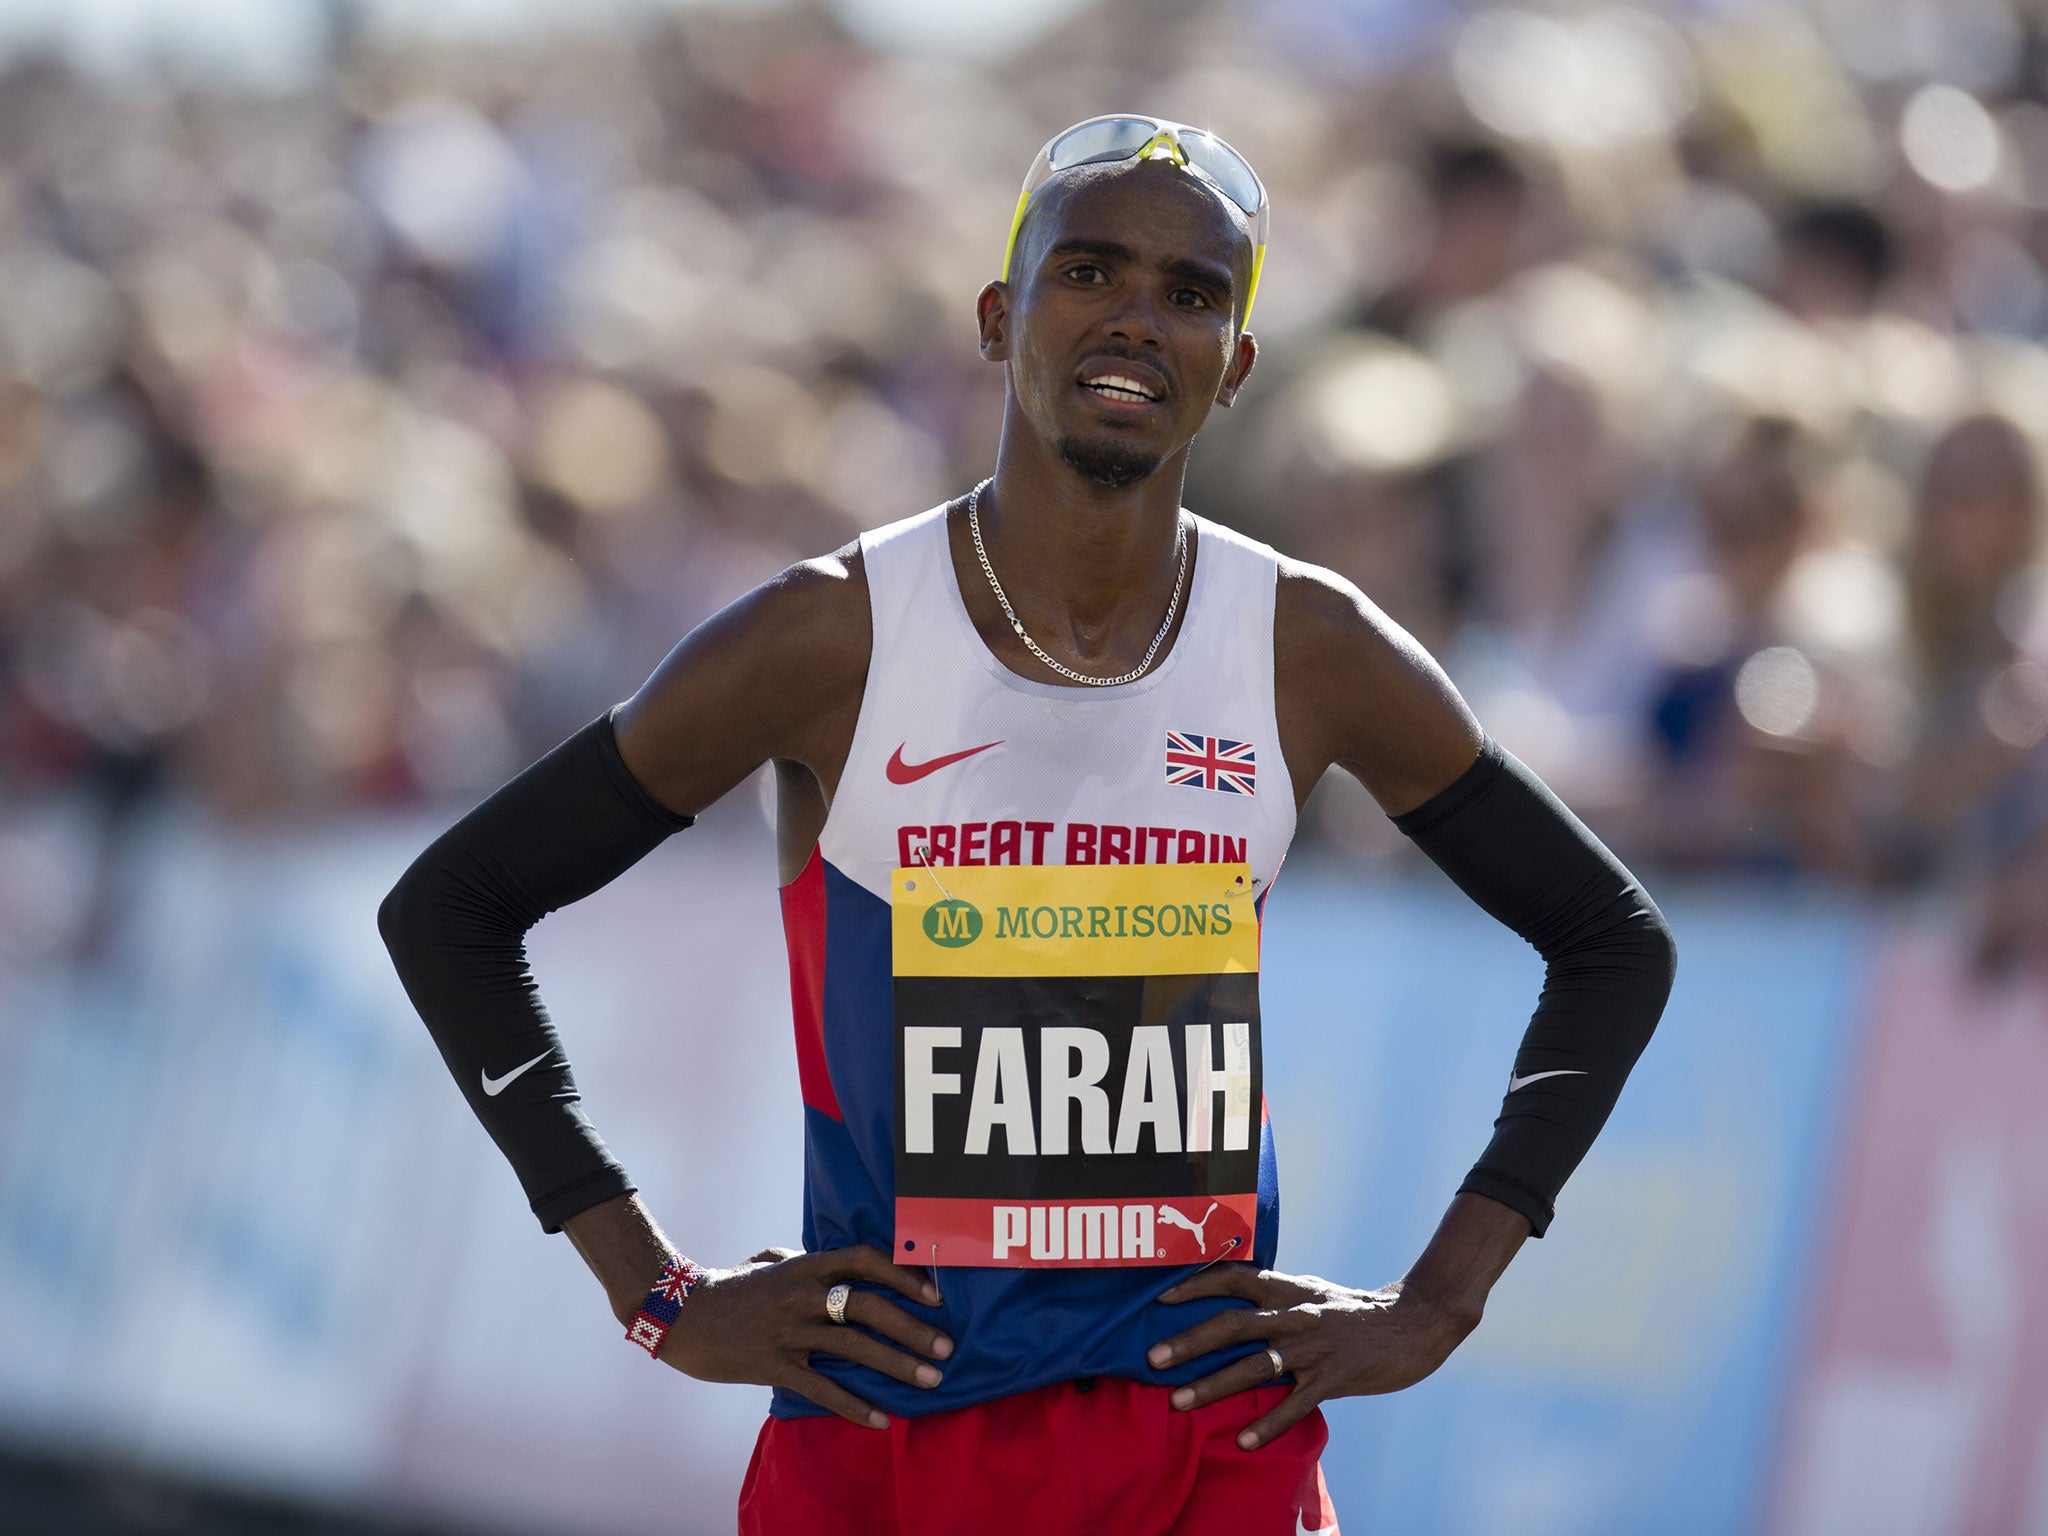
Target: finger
x,y
830,1395
1238,1376
1232,1327
1267,1287
775,1255
1213,1280
865,1349
868,1263
1292,1408
885,1317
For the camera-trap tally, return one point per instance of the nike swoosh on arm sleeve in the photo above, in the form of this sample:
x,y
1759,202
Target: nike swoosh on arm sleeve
x,y
456,923
1510,844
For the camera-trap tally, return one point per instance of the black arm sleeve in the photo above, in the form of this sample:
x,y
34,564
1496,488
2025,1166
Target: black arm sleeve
x,y
456,927
1511,845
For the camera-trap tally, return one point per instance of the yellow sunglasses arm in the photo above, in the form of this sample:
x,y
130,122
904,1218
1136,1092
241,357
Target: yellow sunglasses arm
x,y
1016,223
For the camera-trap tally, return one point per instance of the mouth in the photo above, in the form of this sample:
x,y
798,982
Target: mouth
x,y
1124,388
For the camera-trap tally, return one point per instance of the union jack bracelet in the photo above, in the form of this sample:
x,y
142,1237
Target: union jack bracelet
x,y
651,1323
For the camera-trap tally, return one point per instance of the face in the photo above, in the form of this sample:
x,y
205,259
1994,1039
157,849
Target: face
x,y
1119,321
1756,515
1975,523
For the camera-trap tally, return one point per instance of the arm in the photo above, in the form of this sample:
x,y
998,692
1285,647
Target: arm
x,y
775,676
1357,692
1608,962
456,923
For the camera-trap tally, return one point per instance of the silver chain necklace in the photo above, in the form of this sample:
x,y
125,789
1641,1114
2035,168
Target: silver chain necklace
x,y
1180,539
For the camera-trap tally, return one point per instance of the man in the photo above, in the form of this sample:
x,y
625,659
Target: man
x,y
1039,754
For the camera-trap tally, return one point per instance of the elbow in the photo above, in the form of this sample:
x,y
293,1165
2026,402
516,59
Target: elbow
x,y
390,921
435,910
1632,952
1656,952
398,917
1662,944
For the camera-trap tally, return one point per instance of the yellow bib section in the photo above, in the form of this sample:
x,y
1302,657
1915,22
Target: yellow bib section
x,y
1074,920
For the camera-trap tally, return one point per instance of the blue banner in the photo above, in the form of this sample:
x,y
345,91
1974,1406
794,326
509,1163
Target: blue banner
x,y
1629,1374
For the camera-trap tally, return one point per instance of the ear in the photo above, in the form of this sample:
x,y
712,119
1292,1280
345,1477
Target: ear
x,y
992,318
1241,360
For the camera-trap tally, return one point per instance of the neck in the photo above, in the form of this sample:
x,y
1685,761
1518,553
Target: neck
x,y
1089,562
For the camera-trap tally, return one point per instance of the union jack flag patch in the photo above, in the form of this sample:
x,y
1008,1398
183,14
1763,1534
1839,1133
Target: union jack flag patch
x,y
1211,762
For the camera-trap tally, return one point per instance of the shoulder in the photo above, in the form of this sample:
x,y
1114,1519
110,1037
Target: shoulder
x,y
822,601
777,673
1320,618
811,618
1355,689
1316,610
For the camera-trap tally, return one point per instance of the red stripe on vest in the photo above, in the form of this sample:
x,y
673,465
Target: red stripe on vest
x,y
803,925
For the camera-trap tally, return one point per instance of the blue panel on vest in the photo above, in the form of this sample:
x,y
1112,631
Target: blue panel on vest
x,y
1013,1329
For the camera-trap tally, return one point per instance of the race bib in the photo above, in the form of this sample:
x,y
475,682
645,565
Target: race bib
x,y
1077,1064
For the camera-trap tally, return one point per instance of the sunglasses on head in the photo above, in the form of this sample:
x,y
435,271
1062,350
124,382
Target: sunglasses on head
x,y
1124,137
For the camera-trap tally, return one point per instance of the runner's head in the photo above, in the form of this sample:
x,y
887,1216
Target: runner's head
x,y
1119,321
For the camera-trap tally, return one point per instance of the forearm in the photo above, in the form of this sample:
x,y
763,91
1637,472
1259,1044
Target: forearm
x,y
455,925
624,1247
1468,1252
1515,850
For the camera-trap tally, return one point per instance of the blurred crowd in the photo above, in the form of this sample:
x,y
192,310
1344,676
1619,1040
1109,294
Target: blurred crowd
x,y
1676,376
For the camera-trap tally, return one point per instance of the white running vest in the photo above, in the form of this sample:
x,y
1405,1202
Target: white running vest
x,y
1181,766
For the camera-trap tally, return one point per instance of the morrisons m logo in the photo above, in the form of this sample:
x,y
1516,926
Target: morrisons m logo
x,y
952,923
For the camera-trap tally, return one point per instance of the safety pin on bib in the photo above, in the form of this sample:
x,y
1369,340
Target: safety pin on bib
x,y
923,853
1228,1249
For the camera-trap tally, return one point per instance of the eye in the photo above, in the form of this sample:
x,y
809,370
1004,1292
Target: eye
x,y
1190,298
1087,272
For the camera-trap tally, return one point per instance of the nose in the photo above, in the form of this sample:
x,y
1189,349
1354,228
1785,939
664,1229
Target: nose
x,y
1137,320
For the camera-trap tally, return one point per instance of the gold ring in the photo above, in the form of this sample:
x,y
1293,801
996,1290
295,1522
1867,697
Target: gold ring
x,y
835,1302
1273,1355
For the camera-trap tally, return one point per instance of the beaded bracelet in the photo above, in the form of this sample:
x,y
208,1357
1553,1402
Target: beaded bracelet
x,y
651,1323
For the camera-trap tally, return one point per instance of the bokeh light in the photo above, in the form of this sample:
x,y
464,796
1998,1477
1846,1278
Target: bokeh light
x,y
1949,138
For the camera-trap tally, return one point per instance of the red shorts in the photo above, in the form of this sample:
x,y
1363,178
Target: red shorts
x,y
1111,1457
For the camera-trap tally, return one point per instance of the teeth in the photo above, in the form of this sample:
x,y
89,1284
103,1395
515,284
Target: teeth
x,y
1118,386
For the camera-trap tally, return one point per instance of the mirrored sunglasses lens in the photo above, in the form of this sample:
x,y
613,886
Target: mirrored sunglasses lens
x,y
1109,140
1224,166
